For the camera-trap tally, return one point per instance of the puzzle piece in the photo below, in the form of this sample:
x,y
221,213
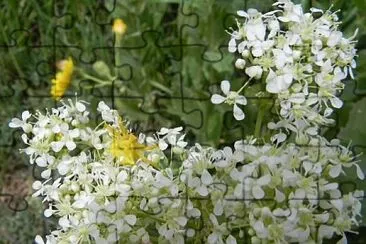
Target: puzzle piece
x,y
15,190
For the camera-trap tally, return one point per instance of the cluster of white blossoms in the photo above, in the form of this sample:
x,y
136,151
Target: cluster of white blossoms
x,y
103,184
301,58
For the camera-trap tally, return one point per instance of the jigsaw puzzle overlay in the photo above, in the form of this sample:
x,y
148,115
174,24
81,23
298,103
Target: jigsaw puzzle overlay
x,y
165,69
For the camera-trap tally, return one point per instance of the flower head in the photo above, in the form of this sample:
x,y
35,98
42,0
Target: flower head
x,y
63,79
125,146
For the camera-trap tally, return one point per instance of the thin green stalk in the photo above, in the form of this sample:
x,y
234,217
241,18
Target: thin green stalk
x,y
143,214
259,121
117,54
103,82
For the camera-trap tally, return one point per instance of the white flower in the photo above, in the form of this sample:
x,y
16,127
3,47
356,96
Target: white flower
x,y
108,114
232,98
282,57
291,12
49,240
334,38
255,186
254,28
278,83
67,140
225,157
254,72
170,137
16,123
260,47
199,184
219,230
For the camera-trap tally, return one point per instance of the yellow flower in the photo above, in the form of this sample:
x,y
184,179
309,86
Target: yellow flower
x,y
63,79
125,146
119,27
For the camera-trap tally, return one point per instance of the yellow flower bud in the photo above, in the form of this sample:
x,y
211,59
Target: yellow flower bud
x,y
119,27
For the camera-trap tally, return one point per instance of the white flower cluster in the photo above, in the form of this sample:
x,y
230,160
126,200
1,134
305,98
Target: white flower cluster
x,y
89,184
300,57
280,195
108,185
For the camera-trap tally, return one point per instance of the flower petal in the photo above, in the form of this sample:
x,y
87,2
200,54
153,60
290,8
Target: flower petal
x,y
26,115
335,171
206,178
225,86
241,100
230,240
232,45
360,173
258,192
242,13
238,113
130,219
80,107
57,146
336,102
217,99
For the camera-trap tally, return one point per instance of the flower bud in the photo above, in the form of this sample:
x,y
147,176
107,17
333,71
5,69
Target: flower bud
x,y
240,63
245,53
102,69
75,122
77,216
67,197
190,232
75,187
301,139
155,158
177,150
119,27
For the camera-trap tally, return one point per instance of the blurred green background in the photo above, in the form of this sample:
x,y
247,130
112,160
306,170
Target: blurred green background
x,y
172,58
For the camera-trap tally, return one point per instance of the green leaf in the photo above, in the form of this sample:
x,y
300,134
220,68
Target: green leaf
x,y
102,69
361,4
306,4
225,65
361,73
355,129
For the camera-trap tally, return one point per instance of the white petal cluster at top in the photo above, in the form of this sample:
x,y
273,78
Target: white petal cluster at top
x,y
301,58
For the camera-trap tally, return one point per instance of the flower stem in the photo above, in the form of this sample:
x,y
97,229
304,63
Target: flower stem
x,y
117,54
246,83
259,121
89,77
143,214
